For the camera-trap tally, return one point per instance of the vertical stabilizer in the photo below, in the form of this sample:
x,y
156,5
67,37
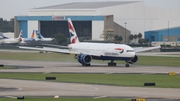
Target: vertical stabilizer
x,y
39,36
2,36
20,34
72,32
32,36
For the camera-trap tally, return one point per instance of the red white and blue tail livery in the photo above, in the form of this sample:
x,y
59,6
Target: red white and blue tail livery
x,y
86,51
72,32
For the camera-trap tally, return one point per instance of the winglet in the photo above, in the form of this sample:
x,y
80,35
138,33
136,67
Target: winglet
x,y
72,32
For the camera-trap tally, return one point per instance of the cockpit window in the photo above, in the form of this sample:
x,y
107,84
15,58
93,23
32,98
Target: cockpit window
x,y
130,50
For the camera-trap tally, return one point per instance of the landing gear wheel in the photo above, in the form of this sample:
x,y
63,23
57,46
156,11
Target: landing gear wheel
x,y
86,64
127,65
112,63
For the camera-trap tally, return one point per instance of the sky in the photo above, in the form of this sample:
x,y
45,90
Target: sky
x,y
11,8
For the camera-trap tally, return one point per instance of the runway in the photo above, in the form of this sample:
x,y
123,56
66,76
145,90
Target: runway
x,y
42,88
77,68
45,88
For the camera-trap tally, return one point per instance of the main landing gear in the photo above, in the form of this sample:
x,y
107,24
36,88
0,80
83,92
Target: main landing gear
x,y
86,64
127,65
112,63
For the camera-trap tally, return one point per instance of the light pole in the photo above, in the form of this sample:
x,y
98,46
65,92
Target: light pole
x,y
168,31
125,31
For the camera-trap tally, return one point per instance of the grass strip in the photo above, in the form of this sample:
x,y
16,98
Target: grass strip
x,y
162,81
66,99
33,56
8,67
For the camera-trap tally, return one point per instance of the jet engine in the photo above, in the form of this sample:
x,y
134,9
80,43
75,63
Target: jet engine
x,y
84,59
134,60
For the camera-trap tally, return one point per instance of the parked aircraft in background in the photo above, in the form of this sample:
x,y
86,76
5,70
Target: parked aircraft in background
x,y
9,41
27,40
85,51
40,37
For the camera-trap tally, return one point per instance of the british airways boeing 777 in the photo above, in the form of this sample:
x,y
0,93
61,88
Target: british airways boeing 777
x,y
85,51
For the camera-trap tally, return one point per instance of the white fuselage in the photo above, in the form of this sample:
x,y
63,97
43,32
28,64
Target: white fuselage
x,y
26,40
10,41
105,50
47,39
44,39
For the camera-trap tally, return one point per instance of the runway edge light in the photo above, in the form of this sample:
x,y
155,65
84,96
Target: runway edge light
x,y
149,84
56,96
172,73
140,99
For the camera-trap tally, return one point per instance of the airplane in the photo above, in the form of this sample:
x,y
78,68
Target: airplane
x,y
86,51
40,37
27,40
9,41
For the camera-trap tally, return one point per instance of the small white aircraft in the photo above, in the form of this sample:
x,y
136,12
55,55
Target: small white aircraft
x,y
85,52
9,41
40,37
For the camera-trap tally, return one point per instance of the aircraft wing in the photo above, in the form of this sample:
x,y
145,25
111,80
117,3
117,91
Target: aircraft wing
x,y
49,49
141,49
58,46
57,50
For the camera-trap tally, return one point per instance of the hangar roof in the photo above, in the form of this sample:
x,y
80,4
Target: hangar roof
x,y
87,5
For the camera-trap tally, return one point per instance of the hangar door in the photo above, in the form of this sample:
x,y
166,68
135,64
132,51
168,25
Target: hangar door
x,y
50,28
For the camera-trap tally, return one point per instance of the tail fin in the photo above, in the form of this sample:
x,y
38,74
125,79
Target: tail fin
x,y
20,34
2,36
72,32
32,36
38,34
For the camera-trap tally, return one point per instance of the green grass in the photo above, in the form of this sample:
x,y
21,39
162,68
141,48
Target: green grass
x,y
65,99
163,81
159,61
7,67
32,56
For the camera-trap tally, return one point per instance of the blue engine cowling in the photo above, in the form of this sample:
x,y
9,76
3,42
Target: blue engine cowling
x,y
84,59
134,60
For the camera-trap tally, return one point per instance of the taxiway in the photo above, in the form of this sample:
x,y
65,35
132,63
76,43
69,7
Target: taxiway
x,y
45,88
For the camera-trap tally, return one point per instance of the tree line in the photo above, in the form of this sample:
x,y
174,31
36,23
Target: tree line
x,y
141,40
6,26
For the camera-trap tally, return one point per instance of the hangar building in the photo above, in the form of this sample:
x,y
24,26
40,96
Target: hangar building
x,y
92,19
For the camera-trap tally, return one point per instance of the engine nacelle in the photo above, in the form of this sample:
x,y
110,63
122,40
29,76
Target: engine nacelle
x,y
134,60
84,59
